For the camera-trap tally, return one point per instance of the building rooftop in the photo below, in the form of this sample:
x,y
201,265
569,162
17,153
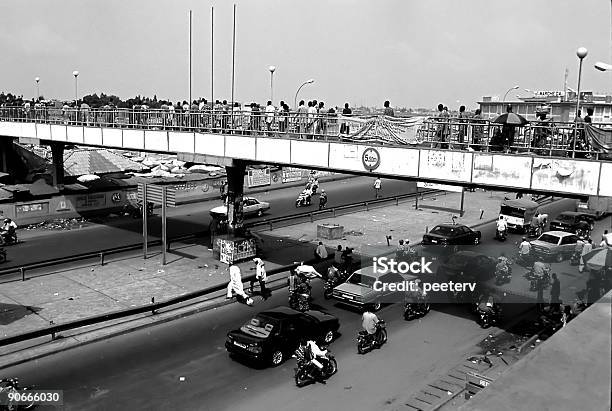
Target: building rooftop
x,y
97,161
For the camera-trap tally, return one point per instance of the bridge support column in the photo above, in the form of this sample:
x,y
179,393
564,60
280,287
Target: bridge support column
x,y
235,191
5,144
57,153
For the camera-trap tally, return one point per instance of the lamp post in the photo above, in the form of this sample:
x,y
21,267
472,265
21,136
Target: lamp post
x,y
601,66
272,69
75,73
298,92
37,80
581,53
509,90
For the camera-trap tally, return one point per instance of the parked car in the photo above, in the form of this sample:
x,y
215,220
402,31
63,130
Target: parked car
x,y
273,335
474,266
555,245
358,290
570,221
250,207
451,236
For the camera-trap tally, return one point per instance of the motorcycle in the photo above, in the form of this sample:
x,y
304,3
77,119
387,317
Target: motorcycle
x,y
306,372
575,258
416,310
501,235
367,342
300,299
11,385
534,231
537,281
322,202
488,318
9,237
503,274
303,200
583,234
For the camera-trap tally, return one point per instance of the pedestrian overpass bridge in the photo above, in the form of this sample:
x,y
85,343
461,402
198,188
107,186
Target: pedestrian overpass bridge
x,y
521,172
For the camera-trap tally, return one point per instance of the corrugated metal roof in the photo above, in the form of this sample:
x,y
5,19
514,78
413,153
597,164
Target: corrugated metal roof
x,y
97,161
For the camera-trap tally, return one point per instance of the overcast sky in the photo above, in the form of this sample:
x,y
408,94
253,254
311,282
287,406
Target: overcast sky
x,y
413,53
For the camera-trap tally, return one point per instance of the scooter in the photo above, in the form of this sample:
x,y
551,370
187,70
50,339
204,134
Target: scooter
x,y
416,310
503,274
575,258
367,342
322,201
534,231
501,235
9,238
303,200
11,385
488,318
306,372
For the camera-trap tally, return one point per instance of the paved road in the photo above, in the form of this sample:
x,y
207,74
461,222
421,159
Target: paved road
x,y
44,245
143,370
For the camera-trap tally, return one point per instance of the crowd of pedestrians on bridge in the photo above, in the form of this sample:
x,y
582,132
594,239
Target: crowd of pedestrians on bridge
x,y
310,119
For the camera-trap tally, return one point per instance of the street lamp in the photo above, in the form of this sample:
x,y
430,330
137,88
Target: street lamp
x,y
601,66
581,53
75,73
298,91
509,90
272,69
37,80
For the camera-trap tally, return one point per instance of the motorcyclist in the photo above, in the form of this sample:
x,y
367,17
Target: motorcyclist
x,y
310,353
369,322
524,249
583,229
322,199
503,264
333,274
8,229
540,269
487,305
502,226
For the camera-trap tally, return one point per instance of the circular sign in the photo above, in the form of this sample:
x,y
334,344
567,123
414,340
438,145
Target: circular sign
x,y
370,159
205,187
116,197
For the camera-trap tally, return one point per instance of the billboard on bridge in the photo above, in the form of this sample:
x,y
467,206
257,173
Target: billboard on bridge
x,y
446,165
502,170
570,176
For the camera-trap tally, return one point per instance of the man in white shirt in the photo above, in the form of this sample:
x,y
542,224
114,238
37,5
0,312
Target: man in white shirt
x,y
321,251
270,110
377,186
606,239
312,118
587,248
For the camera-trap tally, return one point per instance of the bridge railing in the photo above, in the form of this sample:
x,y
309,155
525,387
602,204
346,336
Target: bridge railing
x,y
545,138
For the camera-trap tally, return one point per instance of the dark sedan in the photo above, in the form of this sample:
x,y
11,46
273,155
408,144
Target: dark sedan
x,y
572,221
451,236
274,335
474,266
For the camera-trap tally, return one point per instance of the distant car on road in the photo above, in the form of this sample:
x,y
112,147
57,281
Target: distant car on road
x,y
273,335
451,236
251,207
474,266
555,245
358,290
571,221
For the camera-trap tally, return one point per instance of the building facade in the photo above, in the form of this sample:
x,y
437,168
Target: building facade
x,y
558,105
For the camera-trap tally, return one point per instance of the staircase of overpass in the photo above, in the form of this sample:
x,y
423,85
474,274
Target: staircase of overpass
x,y
377,152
